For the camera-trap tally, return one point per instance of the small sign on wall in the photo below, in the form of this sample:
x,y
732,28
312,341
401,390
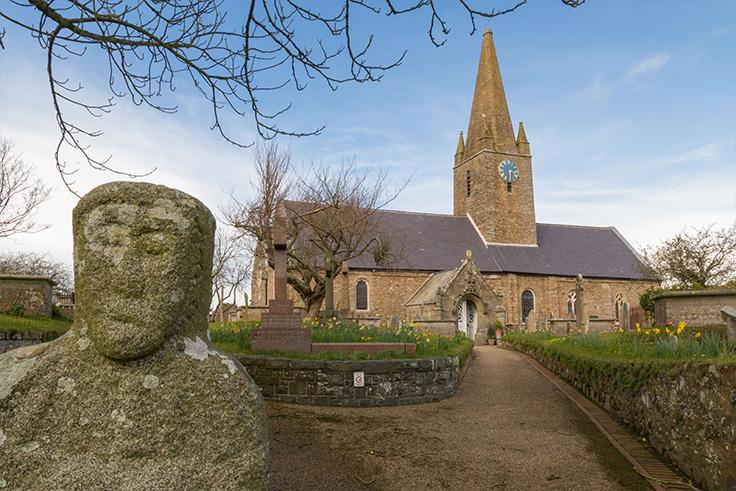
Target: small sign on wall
x,y
358,379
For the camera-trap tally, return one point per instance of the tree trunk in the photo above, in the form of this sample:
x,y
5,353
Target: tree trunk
x,y
312,305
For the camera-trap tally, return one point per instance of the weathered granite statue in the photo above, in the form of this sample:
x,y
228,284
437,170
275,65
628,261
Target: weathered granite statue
x,y
133,397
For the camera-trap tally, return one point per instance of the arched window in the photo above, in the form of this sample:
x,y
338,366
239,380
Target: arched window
x,y
618,306
361,295
527,304
467,183
571,297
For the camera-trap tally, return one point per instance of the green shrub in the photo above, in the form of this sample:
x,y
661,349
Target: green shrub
x,y
57,313
17,309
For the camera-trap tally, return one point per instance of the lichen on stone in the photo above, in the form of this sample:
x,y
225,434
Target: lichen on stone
x,y
150,381
65,385
29,447
196,349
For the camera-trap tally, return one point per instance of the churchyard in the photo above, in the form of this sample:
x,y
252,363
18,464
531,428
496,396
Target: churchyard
x,y
534,331
63,427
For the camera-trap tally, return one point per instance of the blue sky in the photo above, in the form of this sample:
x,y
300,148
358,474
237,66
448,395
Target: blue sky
x,y
629,106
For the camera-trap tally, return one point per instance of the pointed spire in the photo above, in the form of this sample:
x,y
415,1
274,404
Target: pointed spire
x,y
460,148
489,115
522,144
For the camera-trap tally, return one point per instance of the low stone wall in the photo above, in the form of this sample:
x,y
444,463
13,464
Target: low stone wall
x,y
687,411
409,348
17,339
694,307
33,292
333,383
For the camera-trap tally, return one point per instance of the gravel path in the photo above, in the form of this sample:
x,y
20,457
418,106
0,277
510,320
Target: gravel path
x,y
506,428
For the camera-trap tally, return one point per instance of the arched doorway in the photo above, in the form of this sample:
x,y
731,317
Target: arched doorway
x,y
467,317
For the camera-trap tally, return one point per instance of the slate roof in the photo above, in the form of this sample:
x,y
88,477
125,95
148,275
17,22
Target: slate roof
x,y
432,242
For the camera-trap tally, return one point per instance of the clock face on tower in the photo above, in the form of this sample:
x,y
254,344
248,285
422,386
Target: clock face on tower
x,y
508,170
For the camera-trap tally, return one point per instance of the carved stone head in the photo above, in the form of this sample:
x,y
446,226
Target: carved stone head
x,y
142,267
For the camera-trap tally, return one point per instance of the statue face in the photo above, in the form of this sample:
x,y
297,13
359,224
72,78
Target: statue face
x,y
133,276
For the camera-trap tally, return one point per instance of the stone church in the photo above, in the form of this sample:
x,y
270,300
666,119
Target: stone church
x,y
490,260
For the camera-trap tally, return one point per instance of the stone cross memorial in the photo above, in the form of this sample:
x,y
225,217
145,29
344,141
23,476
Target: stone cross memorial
x,y
281,327
133,396
581,316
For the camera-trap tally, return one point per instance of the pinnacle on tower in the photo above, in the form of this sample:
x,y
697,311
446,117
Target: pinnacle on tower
x,y
522,144
460,149
489,115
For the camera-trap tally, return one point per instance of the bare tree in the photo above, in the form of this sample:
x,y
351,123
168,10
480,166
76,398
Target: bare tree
x,y
233,58
20,194
231,266
698,258
37,264
332,217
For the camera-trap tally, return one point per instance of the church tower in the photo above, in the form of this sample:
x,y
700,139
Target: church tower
x,y
493,167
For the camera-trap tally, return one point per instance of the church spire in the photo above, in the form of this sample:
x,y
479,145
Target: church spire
x,y
489,115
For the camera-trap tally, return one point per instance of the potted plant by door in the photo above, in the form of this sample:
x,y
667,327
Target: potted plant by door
x,y
499,331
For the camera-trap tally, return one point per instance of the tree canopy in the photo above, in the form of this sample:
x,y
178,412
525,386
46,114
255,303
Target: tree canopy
x,y
696,258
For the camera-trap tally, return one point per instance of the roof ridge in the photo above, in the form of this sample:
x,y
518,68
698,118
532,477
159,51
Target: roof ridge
x,y
420,213
385,210
610,227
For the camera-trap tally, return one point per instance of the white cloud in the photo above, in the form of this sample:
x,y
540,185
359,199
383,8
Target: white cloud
x,y
603,87
650,64
705,153
597,92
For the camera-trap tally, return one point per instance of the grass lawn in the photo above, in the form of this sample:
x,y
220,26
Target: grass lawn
x,y
54,327
670,343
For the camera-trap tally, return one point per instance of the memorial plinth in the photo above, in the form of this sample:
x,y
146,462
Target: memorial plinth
x,y
281,330
281,327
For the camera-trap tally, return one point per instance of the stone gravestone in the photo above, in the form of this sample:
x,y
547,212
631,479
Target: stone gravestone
x,y
625,317
133,396
581,316
345,300
636,316
531,321
281,327
728,314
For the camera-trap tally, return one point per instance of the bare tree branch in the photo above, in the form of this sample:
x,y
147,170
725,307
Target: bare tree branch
x,y
20,194
332,213
233,59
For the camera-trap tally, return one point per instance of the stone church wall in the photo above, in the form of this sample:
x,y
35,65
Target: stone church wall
x,y
389,290
550,295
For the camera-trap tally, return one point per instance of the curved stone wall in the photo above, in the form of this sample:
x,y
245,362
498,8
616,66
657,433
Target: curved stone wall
x,y
332,383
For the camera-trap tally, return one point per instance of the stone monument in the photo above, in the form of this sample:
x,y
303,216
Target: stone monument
x,y
133,396
281,327
625,315
728,314
581,316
